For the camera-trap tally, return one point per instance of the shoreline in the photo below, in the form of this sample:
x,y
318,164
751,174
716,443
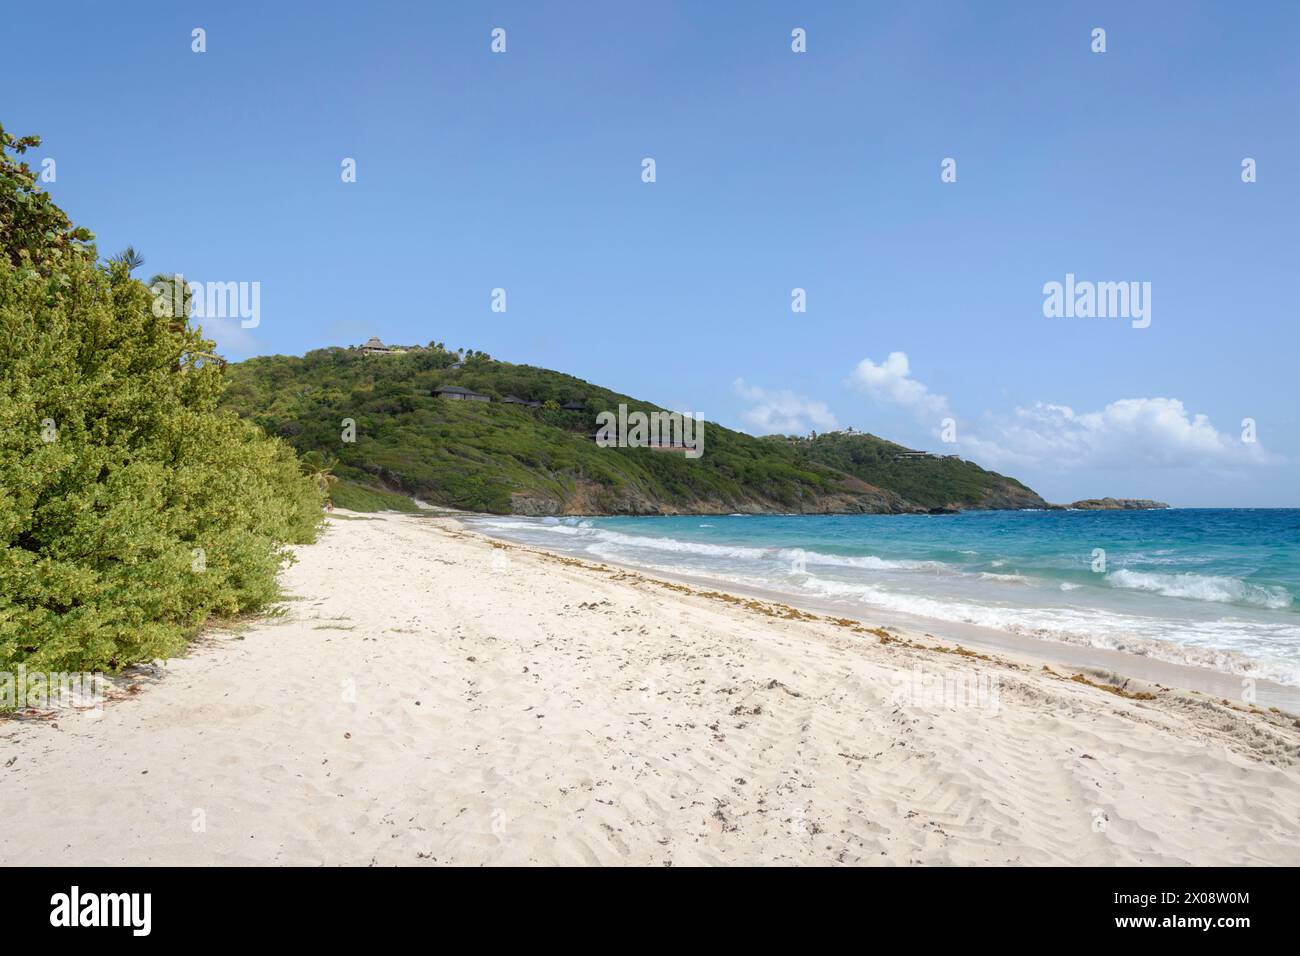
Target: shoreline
x,y
1126,664
1187,677
433,696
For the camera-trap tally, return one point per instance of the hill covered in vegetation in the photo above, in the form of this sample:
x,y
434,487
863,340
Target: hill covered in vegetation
x,y
933,482
541,459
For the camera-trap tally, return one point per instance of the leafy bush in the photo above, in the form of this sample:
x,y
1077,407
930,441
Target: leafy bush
x,y
131,506
353,497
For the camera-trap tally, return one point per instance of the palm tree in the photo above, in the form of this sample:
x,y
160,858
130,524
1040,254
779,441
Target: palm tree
x,y
319,468
129,258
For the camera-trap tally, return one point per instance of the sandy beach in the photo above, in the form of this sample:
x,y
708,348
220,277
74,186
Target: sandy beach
x,y
432,697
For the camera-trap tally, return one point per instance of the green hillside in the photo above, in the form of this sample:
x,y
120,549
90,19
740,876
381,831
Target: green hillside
x,y
940,481
504,458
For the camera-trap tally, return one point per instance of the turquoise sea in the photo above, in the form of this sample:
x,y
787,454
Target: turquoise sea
x,y
1208,587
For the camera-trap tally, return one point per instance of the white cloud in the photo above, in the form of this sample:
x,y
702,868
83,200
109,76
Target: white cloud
x,y
1131,433
783,412
891,382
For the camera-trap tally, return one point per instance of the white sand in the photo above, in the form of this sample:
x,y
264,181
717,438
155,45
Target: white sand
x,y
432,697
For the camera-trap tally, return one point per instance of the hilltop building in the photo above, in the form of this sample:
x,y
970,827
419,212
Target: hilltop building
x,y
376,347
456,393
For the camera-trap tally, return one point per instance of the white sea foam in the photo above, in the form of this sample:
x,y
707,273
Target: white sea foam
x,y
1201,644
1004,578
610,544
866,561
677,546
1202,587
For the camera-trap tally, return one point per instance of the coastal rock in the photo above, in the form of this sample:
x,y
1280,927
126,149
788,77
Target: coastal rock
x,y
533,506
1117,504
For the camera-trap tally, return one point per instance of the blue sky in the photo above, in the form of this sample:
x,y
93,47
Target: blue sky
x,y
775,170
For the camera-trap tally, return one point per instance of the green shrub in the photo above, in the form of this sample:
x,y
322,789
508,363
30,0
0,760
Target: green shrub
x,y
131,507
353,497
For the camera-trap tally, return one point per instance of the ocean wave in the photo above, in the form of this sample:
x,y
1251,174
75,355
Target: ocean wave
x,y
615,543
742,552
551,521
1164,556
1089,627
866,561
572,530
678,546
1202,587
